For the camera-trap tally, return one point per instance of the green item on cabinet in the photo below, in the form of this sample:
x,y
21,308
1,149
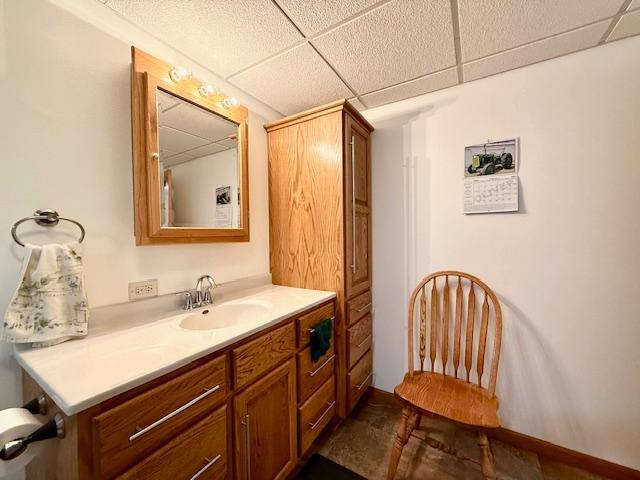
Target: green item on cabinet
x,y
321,338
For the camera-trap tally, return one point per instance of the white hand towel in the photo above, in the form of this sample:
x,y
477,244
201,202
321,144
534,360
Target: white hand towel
x,y
50,304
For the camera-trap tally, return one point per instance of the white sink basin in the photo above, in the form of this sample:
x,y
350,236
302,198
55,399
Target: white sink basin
x,y
222,316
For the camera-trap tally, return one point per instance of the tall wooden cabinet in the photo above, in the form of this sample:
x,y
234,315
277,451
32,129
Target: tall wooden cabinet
x,y
320,226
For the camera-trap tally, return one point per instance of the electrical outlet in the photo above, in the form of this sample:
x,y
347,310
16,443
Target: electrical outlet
x,y
144,289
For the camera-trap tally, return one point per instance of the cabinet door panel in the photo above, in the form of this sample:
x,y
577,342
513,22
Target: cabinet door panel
x,y
265,426
357,208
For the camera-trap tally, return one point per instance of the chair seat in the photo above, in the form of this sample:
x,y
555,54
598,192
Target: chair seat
x,y
450,398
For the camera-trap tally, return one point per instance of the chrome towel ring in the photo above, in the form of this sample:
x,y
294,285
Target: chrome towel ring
x,y
45,218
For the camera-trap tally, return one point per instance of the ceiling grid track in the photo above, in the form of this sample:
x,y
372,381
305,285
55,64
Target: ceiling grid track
x,y
593,28
309,38
615,21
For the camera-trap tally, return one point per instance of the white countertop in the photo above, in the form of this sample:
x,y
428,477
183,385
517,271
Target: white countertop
x,y
127,348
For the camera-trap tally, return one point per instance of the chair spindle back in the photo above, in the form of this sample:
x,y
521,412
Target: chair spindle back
x,y
434,313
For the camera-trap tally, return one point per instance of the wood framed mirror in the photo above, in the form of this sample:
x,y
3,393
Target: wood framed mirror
x,y
190,158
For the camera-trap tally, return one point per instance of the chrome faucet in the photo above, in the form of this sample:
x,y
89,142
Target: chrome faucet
x,y
201,297
204,297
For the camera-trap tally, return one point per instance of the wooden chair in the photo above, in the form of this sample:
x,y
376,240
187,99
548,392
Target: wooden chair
x,y
445,389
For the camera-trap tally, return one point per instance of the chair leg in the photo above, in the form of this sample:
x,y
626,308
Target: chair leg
x,y
486,462
407,424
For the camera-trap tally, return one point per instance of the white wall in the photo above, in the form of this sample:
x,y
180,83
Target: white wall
x,y
195,184
565,267
65,143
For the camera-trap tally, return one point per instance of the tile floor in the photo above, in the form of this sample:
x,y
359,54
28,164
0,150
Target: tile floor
x,y
363,445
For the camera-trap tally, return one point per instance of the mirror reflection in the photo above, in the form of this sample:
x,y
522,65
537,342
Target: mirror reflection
x,y
199,166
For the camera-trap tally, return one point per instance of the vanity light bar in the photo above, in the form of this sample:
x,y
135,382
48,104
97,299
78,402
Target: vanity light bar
x,y
178,74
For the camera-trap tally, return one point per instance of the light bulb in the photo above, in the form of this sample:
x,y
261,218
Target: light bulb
x,y
178,74
229,102
205,89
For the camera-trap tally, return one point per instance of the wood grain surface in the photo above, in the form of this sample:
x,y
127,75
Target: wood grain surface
x,y
311,375
148,74
308,321
359,339
451,398
265,426
187,453
315,414
260,355
112,429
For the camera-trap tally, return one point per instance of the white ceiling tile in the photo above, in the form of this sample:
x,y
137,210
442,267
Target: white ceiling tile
x,y
165,101
225,36
397,42
197,121
357,104
294,81
209,149
177,159
164,153
228,143
312,16
177,141
429,83
543,50
628,25
491,26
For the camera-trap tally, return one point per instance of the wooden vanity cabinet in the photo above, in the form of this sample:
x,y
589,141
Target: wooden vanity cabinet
x,y
320,224
265,426
233,414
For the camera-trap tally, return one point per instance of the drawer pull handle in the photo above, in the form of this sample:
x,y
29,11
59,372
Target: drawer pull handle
x,y
311,374
315,424
364,382
209,463
364,341
247,443
141,431
363,307
311,330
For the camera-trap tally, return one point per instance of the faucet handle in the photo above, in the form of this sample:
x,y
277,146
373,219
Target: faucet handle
x,y
188,300
206,300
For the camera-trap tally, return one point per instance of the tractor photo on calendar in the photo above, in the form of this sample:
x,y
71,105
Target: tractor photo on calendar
x,y
490,158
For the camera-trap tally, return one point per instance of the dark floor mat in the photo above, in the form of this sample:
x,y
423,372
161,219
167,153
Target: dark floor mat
x,y
321,468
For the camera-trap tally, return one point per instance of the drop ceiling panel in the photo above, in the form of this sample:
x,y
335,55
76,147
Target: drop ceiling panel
x,y
536,52
429,83
296,80
492,26
225,36
228,143
165,101
164,153
400,41
313,16
198,122
205,150
177,159
178,141
628,25
357,104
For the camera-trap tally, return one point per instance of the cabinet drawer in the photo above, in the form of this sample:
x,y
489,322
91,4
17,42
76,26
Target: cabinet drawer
x,y
306,322
315,414
359,339
358,307
359,378
313,374
260,355
138,426
199,452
